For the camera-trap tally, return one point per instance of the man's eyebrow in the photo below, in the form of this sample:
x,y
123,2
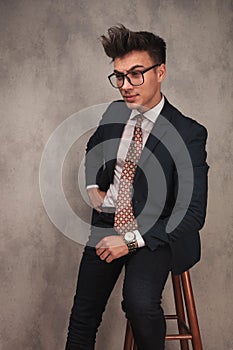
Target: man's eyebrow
x,y
129,70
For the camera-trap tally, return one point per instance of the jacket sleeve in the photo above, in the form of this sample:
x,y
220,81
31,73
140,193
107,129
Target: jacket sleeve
x,y
94,160
194,217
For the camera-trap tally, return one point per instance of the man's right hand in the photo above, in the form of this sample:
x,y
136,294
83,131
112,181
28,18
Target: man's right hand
x,y
96,198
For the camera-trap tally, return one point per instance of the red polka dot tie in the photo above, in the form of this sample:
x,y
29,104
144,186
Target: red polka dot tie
x,y
124,218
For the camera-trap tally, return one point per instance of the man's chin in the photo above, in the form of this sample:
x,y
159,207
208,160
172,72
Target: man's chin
x,y
132,105
138,107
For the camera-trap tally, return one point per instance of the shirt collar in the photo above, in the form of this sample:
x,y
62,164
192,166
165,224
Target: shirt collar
x,y
152,114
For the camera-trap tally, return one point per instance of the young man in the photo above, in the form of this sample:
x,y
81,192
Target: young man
x,y
143,153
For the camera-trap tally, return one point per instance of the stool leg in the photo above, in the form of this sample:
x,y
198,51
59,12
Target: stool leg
x,y
128,337
191,311
179,309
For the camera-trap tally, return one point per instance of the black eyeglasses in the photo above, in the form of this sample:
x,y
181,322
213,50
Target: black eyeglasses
x,y
134,77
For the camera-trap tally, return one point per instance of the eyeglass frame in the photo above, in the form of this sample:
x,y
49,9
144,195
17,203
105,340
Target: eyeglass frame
x,y
128,79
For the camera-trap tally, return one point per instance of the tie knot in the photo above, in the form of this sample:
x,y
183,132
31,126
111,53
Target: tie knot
x,y
140,118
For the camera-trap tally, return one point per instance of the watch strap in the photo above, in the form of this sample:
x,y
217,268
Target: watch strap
x,y
131,246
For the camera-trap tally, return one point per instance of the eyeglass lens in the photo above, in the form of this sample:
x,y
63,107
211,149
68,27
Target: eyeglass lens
x,y
135,78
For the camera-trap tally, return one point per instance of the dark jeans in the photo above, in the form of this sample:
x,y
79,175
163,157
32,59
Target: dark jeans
x,y
146,273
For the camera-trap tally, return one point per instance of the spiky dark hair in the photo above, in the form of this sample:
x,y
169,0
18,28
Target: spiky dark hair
x,y
121,41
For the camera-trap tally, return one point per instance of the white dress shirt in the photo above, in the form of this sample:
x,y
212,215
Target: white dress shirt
x,y
148,122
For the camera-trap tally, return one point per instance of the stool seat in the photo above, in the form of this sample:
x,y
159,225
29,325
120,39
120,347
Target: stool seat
x,y
183,297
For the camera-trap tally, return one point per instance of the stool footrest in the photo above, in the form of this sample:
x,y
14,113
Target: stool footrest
x,y
178,336
171,317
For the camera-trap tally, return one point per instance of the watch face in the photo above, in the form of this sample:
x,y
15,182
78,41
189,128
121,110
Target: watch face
x,y
129,236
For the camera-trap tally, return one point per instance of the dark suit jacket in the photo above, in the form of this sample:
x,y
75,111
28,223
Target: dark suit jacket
x,y
170,181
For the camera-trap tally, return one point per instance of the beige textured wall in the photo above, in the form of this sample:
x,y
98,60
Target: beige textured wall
x,y
52,65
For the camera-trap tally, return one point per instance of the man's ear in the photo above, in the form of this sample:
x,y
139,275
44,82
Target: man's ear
x,y
161,71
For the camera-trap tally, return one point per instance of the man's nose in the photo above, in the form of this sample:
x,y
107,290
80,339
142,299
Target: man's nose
x,y
126,84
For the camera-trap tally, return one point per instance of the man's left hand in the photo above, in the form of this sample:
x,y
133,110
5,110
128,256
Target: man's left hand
x,y
111,247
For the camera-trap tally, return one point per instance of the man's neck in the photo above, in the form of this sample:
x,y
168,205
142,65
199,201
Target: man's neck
x,y
143,109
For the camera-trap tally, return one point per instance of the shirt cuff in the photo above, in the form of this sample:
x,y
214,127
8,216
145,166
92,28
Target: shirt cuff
x,y
139,239
92,186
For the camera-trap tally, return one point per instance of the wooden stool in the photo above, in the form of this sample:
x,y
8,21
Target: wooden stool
x,y
182,293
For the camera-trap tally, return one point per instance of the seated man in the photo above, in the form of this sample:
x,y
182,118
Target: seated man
x,y
146,177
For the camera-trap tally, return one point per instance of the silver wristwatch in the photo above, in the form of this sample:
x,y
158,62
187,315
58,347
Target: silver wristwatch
x,y
130,239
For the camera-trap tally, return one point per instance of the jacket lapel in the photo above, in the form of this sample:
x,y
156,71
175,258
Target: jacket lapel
x,y
159,130
117,121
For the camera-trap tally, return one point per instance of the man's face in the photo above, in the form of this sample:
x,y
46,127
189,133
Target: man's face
x,y
148,94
